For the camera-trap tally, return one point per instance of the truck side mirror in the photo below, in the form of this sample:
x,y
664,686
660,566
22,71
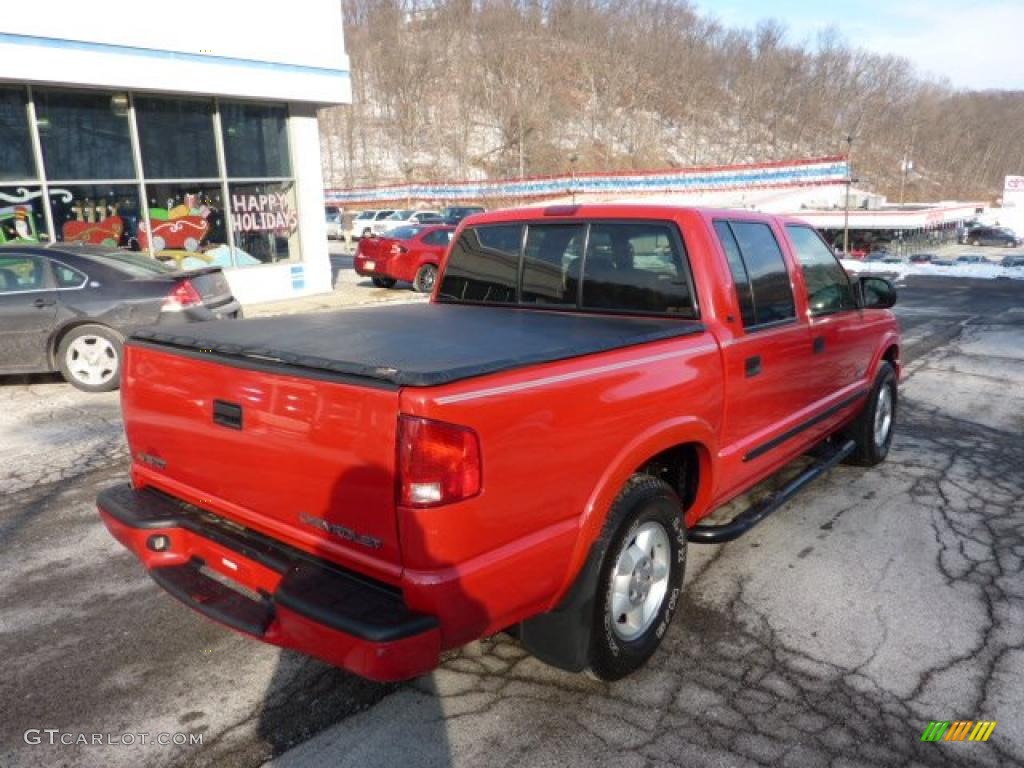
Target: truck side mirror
x,y
877,293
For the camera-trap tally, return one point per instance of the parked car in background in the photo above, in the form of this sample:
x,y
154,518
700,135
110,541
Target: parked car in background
x,y
333,219
70,308
997,236
362,224
407,253
971,258
453,214
1012,261
922,258
405,218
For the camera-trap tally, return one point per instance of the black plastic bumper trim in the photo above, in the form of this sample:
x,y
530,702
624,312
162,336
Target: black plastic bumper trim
x,y
317,589
775,442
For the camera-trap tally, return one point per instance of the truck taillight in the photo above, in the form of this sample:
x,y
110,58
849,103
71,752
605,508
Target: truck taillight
x,y
438,463
182,296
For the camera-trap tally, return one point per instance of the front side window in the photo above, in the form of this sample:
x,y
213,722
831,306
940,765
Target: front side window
x,y
21,273
828,285
766,269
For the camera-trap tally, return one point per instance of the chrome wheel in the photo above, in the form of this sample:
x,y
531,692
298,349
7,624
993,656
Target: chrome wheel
x,y
640,581
883,415
91,360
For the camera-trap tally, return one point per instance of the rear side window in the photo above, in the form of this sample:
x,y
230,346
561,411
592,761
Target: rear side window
x,y
739,272
828,286
67,277
484,265
766,272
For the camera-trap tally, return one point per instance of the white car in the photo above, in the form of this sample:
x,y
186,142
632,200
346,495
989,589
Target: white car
x,y
405,218
333,219
362,224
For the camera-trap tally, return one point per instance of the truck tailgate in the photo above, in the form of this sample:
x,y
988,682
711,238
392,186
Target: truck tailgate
x,y
307,460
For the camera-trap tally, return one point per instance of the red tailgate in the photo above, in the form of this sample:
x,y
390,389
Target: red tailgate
x,y
309,461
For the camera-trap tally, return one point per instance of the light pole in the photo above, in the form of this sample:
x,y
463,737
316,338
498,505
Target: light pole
x,y
846,207
573,159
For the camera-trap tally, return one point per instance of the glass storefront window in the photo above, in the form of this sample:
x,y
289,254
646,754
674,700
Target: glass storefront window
x,y
156,186
264,221
255,140
101,214
85,135
16,161
189,225
176,138
21,215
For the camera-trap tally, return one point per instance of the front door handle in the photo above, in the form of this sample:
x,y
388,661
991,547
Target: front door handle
x,y
40,303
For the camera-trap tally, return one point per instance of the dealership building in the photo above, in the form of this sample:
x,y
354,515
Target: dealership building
x,y
189,134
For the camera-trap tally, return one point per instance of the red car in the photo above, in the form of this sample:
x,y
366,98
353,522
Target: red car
x,y
534,450
411,254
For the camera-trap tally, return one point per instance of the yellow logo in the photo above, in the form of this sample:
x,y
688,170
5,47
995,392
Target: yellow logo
x,y
958,730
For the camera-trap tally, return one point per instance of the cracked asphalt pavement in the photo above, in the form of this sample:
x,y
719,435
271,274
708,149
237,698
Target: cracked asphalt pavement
x,y
831,634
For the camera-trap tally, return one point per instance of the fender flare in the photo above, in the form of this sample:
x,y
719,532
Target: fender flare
x,y
561,635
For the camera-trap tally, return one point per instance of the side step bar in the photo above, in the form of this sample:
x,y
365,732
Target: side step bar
x,y
747,519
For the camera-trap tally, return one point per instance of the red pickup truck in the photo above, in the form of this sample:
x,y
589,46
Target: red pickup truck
x,y
532,451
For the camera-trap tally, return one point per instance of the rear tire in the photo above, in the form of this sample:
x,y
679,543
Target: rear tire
x,y
872,429
641,577
425,278
89,358
383,282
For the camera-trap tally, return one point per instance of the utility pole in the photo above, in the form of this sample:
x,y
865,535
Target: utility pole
x,y
573,159
846,207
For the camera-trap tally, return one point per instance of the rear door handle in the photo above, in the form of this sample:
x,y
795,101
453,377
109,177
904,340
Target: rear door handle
x,y
753,366
40,303
819,344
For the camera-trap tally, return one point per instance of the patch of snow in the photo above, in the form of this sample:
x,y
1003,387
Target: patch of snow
x,y
988,271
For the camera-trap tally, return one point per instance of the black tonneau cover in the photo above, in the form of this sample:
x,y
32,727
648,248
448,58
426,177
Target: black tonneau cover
x,y
417,345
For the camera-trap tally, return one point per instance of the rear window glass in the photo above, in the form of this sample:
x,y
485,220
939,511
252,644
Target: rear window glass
x,y
133,264
551,264
635,267
405,233
484,265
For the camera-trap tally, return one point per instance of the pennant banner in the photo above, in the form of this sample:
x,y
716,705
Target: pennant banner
x,y
822,170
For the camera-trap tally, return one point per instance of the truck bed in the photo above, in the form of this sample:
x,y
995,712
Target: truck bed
x,y
417,345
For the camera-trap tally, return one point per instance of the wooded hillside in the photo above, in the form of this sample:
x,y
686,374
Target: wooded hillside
x,y
457,89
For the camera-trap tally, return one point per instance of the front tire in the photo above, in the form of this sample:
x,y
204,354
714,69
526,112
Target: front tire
x,y
641,577
89,358
872,429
